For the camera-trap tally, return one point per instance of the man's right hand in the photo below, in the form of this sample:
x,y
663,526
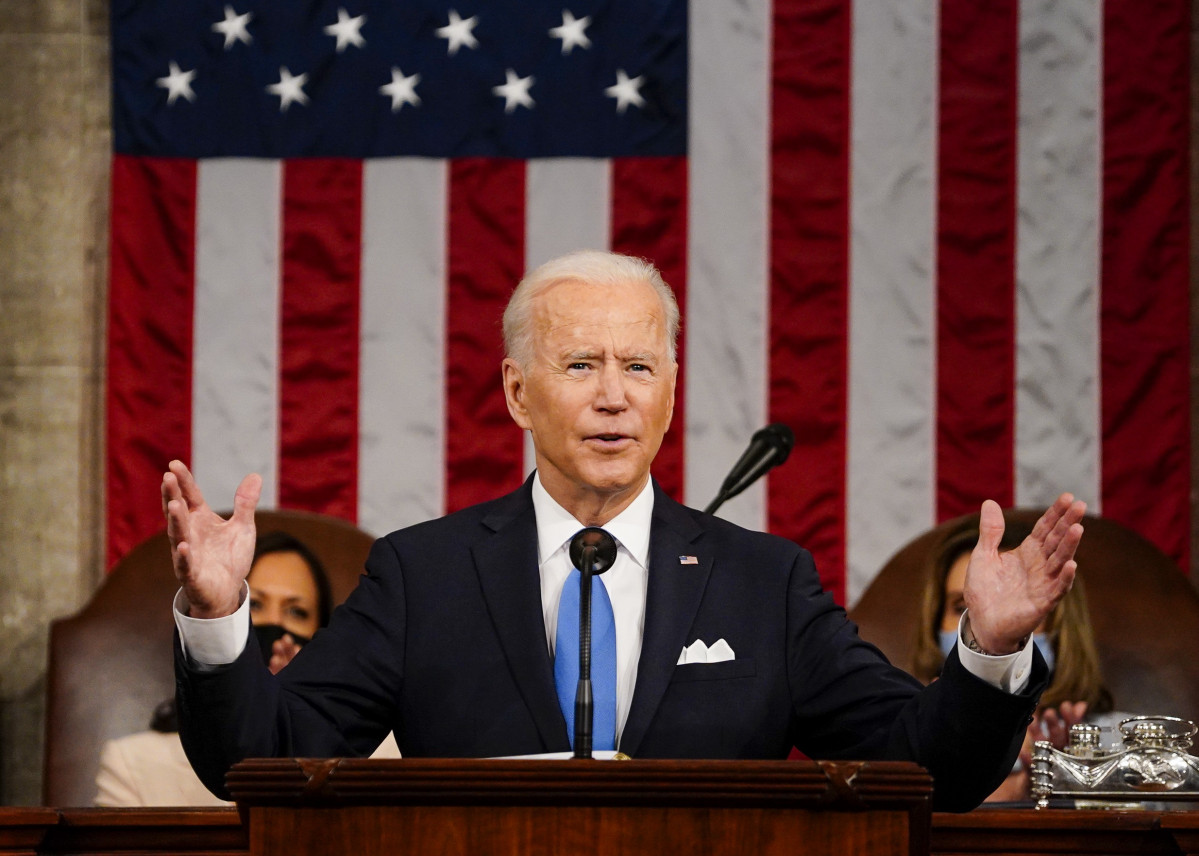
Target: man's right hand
x,y
211,556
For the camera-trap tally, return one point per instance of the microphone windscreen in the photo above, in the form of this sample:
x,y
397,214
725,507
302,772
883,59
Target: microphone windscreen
x,y
604,544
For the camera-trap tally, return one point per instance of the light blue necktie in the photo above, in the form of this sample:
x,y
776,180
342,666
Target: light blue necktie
x,y
603,660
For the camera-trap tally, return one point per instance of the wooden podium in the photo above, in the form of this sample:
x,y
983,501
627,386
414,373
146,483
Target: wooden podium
x,y
299,807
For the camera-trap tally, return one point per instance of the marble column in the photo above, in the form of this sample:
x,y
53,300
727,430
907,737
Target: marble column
x,y
54,161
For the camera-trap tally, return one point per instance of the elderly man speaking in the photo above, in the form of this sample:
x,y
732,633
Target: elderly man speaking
x,y
718,642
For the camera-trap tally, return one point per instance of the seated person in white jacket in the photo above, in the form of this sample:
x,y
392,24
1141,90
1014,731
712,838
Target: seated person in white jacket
x,y
290,600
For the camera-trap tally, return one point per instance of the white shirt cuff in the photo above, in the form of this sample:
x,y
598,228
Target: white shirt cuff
x,y
213,641
1008,672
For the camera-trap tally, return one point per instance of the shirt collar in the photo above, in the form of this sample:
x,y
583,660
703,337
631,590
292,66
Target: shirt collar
x,y
556,525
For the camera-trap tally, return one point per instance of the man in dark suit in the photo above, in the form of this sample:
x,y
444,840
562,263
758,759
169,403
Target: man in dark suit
x,y
725,644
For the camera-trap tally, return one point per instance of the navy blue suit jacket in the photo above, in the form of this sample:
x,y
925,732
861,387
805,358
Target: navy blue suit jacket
x,y
443,641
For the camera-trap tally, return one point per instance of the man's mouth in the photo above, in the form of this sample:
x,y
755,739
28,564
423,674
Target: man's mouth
x,y
609,438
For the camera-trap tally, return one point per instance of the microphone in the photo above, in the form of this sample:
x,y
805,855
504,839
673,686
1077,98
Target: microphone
x,y
603,545
768,448
592,551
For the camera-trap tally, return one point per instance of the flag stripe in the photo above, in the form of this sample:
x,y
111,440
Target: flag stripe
x,y
148,400
809,259
235,370
318,361
484,449
1057,252
569,207
401,453
649,219
728,174
892,299
976,221
1145,307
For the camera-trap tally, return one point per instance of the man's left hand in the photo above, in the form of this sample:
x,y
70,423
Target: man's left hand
x,y
1009,594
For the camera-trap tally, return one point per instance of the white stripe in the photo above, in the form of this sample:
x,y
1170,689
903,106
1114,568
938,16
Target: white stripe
x,y
235,376
1057,258
891,430
401,465
568,207
727,247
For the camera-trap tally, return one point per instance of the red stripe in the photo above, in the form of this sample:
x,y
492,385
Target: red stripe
x,y
1144,308
976,263
484,447
150,298
318,342
809,273
649,219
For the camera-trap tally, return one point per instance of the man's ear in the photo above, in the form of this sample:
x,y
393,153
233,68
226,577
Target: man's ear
x,y
514,393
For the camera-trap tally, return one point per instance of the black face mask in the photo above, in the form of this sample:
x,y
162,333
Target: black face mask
x,y
268,633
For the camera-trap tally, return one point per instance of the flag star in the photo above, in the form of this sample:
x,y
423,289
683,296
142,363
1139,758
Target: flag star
x,y
626,91
177,83
401,89
347,30
234,27
289,89
571,32
515,91
458,32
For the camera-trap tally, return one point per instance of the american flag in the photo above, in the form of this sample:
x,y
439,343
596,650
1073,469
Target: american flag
x,y
945,241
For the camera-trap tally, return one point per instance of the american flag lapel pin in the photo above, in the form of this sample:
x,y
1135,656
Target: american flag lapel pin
x,y
688,560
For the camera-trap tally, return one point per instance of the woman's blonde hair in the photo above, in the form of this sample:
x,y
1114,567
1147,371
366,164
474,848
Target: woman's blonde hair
x,y
1077,675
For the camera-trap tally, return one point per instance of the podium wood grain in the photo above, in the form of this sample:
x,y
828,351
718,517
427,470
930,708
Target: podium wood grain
x,y
307,807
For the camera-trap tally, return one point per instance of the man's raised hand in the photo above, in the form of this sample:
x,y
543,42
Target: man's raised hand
x,y
1009,594
211,555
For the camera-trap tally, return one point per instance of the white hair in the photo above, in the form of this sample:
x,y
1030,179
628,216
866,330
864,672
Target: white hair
x,y
596,267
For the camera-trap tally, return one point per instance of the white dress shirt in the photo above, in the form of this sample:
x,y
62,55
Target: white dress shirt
x,y
626,581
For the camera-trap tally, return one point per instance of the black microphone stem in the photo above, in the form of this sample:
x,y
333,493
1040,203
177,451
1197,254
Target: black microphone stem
x,y
716,503
584,703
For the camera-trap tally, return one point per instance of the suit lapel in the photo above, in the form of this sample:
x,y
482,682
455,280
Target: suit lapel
x,y
672,600
507,567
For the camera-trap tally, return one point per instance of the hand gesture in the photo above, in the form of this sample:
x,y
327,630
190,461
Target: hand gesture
x,y
1054,725
1009,594
211,555
283,651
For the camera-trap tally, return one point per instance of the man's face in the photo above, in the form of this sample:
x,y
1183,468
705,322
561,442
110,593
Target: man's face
x,y
598,392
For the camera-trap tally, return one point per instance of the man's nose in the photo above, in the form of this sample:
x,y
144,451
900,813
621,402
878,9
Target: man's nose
x,y
611,392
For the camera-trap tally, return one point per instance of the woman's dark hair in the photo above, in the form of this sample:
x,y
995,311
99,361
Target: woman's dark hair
x,y
282,542
166,717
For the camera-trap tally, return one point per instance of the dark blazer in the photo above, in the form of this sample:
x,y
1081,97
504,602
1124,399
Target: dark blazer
x,y
443,641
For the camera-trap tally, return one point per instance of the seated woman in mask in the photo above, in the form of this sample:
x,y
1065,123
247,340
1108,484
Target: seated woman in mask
x,y
1076,691
290,600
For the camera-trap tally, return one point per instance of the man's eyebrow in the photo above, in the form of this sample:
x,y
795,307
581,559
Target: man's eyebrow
x,y
641,357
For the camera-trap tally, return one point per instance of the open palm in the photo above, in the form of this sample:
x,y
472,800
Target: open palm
x,y
211,556
1009,594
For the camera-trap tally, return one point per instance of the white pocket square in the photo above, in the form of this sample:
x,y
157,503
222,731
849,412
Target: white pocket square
x,y
698,652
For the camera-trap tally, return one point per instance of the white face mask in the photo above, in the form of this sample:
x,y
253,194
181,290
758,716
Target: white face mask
x,y
949,638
